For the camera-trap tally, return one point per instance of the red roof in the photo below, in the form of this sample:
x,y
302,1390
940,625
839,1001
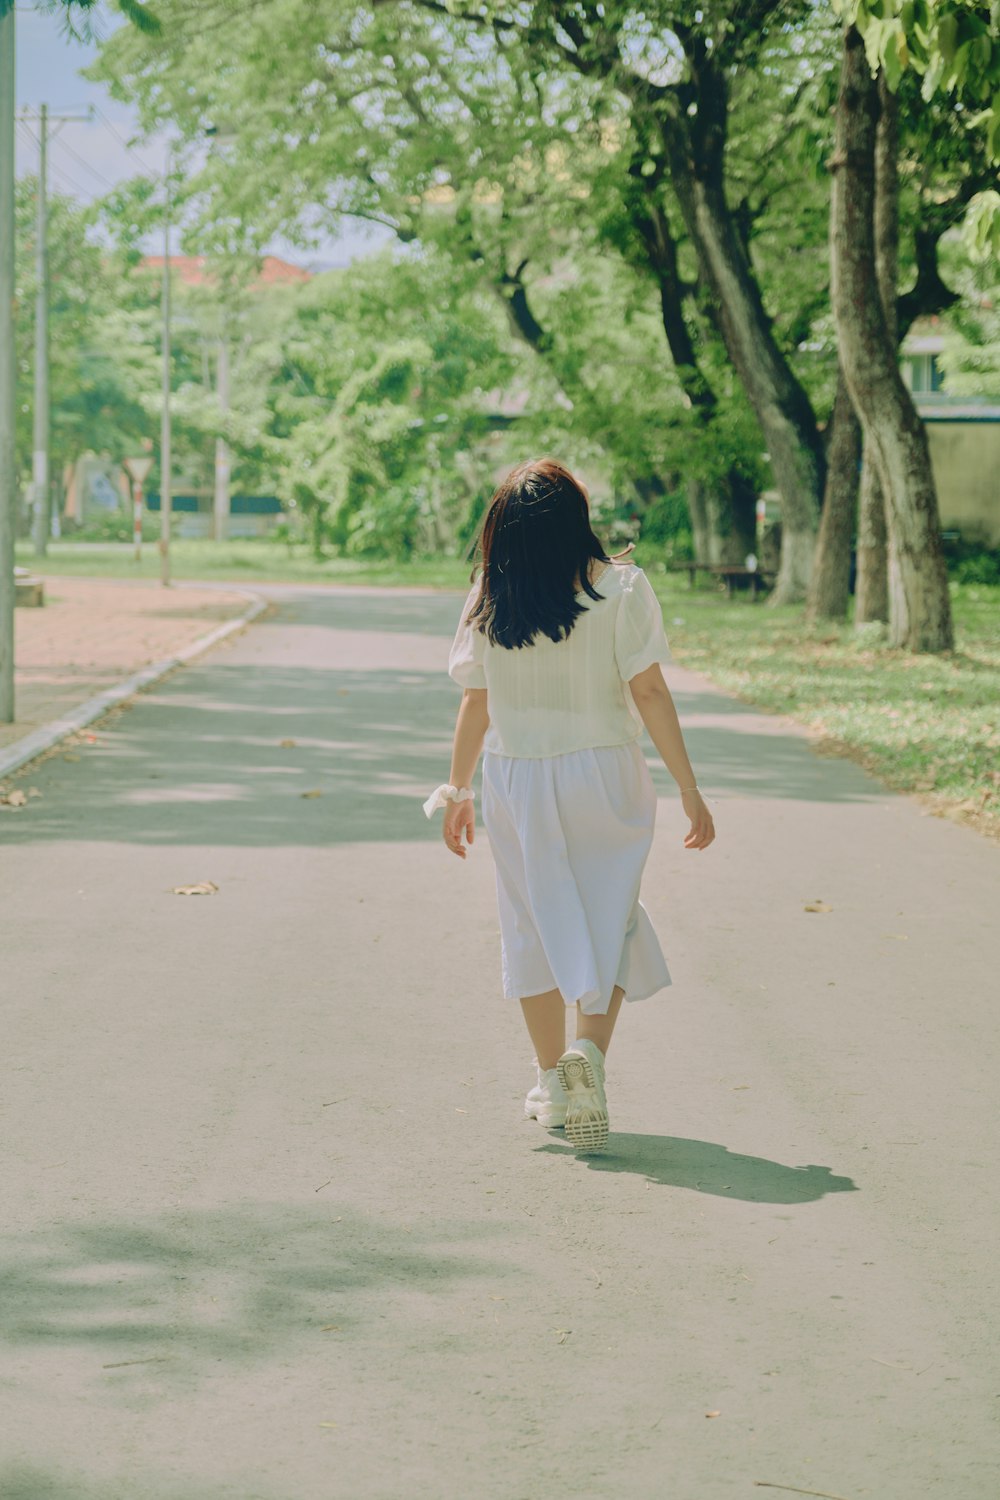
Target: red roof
x,y
192,270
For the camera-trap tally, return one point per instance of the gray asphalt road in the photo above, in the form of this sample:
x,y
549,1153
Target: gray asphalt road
x,y
275,1228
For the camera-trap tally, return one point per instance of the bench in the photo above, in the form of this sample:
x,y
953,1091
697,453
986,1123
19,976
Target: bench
x,y
730,573
29,592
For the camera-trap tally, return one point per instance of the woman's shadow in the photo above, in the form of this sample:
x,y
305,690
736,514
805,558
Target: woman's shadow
x,y
707,1167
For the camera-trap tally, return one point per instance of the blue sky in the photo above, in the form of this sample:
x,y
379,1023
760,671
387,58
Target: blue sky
x,y
86,158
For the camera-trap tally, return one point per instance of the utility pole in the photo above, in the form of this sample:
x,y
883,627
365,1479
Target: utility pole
x,y
222,463
166,490
41,526
40,448
8,472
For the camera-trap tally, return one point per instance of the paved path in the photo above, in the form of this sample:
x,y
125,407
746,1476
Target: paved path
x,y
275,1227
92,633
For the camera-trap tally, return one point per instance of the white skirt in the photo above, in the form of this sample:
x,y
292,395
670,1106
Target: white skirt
x,y
570,836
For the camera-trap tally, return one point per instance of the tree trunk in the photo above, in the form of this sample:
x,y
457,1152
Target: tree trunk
x,y
919,603
829,587
871,592
722,519
786,418
695,150
698,511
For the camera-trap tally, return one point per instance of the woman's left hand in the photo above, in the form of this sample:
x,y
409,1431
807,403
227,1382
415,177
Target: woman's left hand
x,y
702,830
459,817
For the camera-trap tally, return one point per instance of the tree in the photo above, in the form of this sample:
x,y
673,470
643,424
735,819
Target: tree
x,y
380,446
919,604
99,363
953,47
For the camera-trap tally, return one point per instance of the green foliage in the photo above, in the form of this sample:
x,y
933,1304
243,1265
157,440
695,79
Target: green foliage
x,y
135,12
666,526
970,360
954,47
518,170
99,360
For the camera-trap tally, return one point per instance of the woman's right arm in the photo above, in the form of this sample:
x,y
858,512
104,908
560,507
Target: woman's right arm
x,y
656,709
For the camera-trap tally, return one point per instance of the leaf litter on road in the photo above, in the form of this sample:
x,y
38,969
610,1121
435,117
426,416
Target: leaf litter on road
x,y
200,888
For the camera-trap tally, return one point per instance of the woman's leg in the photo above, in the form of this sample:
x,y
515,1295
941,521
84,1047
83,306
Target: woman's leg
x,y
546,1018
598,1029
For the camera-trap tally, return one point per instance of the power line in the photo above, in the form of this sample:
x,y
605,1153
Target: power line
x,y
123,142
65,146
69,183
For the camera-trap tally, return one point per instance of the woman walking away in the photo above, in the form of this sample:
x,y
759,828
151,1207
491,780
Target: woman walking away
x,y
558,653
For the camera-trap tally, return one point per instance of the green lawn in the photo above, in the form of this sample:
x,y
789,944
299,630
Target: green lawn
x,y
246,561
924,724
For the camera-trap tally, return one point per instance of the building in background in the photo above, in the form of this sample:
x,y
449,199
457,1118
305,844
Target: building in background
x,y
964,437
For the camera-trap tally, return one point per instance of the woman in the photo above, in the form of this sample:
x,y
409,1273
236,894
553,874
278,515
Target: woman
x,y
558,652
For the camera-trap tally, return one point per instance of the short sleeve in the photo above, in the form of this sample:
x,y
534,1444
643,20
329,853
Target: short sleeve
x,y
640,639
465,662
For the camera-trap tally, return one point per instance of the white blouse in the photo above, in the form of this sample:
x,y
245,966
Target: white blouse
x,y
555,696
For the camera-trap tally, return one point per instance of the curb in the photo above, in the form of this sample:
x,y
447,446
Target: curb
x,y
18,754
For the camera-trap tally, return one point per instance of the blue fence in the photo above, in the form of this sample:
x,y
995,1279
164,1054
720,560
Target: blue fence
x,y
239,505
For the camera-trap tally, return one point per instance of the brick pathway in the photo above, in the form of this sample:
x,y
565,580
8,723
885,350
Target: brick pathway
x,y
92,633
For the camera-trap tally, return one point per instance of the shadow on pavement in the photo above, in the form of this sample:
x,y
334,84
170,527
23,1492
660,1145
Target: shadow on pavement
x,y
27,1481
707,1167
178,1292
200,760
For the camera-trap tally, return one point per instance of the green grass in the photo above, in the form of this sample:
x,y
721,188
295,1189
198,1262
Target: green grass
x,y
921,723
245,561
924,724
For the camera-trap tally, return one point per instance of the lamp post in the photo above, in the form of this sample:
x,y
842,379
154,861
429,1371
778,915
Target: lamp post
x,y
8,471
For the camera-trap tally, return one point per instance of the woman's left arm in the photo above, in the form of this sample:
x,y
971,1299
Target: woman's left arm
x,y
470,731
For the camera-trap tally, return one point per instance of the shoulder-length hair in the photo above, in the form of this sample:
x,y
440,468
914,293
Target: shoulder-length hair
x,y
535,542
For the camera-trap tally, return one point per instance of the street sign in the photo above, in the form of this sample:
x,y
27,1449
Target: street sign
x,y
138,468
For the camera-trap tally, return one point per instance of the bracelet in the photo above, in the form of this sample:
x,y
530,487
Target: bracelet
x,y
684,789
444,794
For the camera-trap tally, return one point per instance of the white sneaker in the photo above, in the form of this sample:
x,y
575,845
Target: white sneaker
x,y
581,1073
546,1102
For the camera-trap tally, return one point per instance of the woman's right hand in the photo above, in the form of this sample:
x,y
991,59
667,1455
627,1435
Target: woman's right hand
x,y
702,830
459,818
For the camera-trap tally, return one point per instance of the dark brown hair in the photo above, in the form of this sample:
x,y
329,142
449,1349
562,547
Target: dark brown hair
x,y
535,540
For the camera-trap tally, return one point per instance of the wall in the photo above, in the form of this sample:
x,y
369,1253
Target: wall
x,y
965,457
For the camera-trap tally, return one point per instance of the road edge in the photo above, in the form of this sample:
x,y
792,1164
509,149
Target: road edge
x,y
15,756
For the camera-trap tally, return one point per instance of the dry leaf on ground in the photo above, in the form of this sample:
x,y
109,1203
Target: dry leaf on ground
x,y
817,906
16,798
201,888
288,744
315,793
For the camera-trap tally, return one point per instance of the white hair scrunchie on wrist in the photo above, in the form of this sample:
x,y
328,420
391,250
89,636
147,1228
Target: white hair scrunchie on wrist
x,y
445,794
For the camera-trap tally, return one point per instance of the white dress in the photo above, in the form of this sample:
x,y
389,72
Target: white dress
x,y
568,803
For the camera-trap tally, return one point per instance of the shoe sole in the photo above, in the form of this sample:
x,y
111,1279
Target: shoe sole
x,y
586,1119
